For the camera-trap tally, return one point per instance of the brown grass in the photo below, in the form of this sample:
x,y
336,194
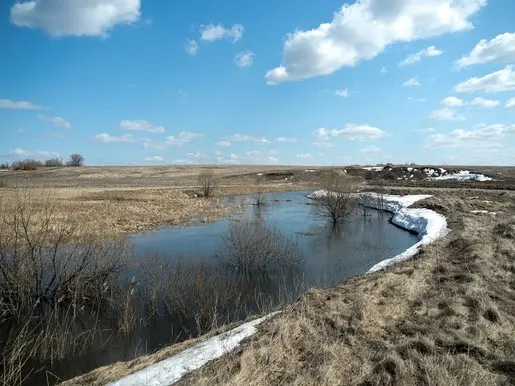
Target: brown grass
x,y
446,318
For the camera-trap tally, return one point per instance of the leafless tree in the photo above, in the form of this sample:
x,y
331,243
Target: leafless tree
x,y
53,162
254,247
208,182
338,200
75,160
258,196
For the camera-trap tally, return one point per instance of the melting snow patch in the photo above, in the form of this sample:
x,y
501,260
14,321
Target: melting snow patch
x,y
169,371
375,168
260,174
463,175
482,212
310,170
429,225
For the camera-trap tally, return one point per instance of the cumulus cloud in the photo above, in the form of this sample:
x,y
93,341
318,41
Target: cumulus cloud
x,y
351,131
446,114
370,149
426,130
191,47
285,140
348,39
482,136
500,49
246,138
452,101
21,105
182,138
141,125
344,93
413,82
498,81
105,137
78,17
56,121
416,57
212,32
250,157
244,59
510,103
485,103
223,143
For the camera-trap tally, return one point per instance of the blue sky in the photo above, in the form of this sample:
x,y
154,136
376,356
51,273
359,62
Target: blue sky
x,y
128,82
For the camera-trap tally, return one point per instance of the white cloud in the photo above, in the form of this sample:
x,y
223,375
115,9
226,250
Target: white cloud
x,y
498,81
246,138
419,100
105,137
285,140
244,59
191,47
413,82
183,138
384,70
141,125
500,49
78,17
348,38
510,103
416,57
452,102
19,153
213,32
485,103
250,157
304,156
21,105
56,121
370,149
223,143
446,114
156,158
351,131
344,93
481,137
191,159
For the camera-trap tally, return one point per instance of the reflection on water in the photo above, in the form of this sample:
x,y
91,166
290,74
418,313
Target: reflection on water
x,y
330,254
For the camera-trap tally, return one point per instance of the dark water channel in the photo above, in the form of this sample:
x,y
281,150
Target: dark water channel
x,y
329,256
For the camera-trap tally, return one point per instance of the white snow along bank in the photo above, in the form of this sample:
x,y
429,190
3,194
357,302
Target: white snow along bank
x,y
429,225
170,370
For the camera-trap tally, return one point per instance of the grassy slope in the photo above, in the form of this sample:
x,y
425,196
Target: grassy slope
x,y
444,319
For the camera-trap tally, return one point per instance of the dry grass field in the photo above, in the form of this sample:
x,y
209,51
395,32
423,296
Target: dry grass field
x,y
446,317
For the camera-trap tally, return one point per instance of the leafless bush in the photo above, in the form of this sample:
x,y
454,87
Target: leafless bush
x,y
53,162
26,164
5,166
259,196
255,248
208,182
339,200
52,292
75,160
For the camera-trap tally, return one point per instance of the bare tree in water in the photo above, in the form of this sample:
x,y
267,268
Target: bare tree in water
x,y
338,200
208,182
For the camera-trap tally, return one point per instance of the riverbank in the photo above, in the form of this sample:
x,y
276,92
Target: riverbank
x,y
436,320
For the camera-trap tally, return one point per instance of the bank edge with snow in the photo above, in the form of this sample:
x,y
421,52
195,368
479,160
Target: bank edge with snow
x,y
429,225
171,370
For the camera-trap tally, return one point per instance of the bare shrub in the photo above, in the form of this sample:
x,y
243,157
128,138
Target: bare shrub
x,y
26,164
208,182
75,160
254,248
338,200
259,197
52,292
53,163
5,166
